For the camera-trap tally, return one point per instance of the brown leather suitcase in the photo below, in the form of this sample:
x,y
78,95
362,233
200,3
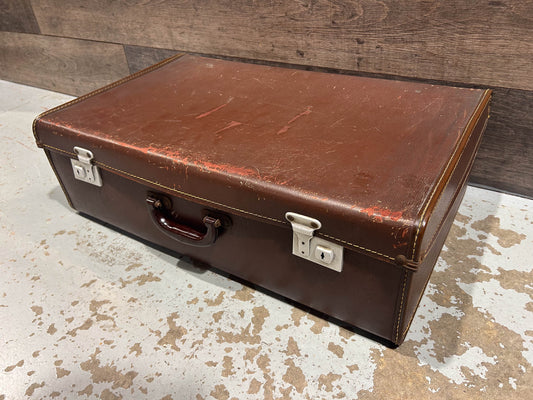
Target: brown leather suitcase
x,y
334,191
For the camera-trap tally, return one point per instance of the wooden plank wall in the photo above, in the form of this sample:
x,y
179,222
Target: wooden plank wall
x,y
78,45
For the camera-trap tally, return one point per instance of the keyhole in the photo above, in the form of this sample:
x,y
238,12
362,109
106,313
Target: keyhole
x,y
322,256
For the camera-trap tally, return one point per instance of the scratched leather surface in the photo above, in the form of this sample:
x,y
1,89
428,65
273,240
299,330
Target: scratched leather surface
x,y
362,155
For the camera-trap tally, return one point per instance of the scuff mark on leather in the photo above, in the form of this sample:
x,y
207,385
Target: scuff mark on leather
x,y
307,111
230,169
214,109
378,214
232,124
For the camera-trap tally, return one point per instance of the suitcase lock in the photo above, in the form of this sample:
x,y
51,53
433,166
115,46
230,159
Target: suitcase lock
x,y
84,169
310,247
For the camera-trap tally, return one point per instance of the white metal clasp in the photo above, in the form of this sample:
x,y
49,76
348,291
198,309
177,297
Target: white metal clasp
x,y
310,247
84,169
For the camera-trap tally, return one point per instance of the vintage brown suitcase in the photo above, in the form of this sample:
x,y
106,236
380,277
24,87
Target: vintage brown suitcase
x,y
334,191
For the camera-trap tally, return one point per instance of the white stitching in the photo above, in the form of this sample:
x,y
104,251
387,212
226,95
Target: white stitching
x,y
443,218
442,176
217,203
401,306
188,194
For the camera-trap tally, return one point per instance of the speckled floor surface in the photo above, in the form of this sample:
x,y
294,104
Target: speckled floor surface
x,y
88,313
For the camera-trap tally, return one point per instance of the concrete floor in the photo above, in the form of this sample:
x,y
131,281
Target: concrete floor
x,y
88,313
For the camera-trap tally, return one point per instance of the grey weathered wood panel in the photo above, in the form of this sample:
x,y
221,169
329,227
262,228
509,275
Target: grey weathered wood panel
x,y
64,65
17,16
478,41
142,57
505,158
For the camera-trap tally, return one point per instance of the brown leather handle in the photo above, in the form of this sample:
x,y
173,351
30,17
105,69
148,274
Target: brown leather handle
x,y
182,233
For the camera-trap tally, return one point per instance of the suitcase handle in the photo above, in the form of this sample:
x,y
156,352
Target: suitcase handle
x,y
167,223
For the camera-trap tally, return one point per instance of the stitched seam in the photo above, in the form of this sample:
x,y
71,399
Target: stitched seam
x,y
61,150
444,218
442,176
417,303
236,209
401,307
95,92
216,203
357,246
188,194
425,253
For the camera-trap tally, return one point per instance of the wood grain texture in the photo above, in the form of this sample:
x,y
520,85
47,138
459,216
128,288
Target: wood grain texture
x,y
64,65
505,158
17,16
478,41
142,57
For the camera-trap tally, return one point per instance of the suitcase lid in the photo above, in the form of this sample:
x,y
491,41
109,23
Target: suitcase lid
x,y
371,159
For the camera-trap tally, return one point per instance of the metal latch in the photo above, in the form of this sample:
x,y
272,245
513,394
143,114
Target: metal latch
x,y
310,247
83,168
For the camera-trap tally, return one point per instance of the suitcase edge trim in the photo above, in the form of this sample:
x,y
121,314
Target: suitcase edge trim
x,y
445,177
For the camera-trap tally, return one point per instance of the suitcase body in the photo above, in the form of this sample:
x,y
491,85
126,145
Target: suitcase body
x,y
334,191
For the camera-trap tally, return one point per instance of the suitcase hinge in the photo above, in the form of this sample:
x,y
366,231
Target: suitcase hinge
x,y
84,169
312,248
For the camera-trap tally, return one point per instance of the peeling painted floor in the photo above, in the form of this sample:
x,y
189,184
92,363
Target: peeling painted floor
x,y
88,313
